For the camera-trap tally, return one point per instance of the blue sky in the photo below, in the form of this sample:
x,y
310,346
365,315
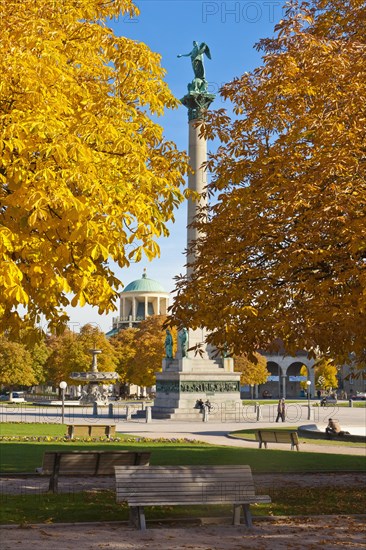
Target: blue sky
x,y
168,27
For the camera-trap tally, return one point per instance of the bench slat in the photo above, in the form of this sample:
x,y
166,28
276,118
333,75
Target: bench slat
x,y
191,471
186,485
87,463
218,489
196,502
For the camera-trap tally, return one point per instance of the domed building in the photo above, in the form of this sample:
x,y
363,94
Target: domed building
x,y
139,300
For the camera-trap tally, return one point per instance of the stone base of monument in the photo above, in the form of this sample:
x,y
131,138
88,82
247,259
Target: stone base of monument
x,y
185,381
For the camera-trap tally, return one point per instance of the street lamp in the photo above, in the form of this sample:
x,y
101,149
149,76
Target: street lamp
x,y
63,386
308,383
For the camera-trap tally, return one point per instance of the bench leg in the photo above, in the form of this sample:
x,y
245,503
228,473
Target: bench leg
x,y
142,520
53,484
247,515
137,517
133,517
236,514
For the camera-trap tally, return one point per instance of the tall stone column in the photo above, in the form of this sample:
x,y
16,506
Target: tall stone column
x,y
284,379
197,104
197,181
189,377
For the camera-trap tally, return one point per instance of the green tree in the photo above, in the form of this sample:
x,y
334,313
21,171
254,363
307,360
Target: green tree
x,y
70,352
16,367
91,337
125,349
325,374
252,371
86,174
39,352
66,356
282,252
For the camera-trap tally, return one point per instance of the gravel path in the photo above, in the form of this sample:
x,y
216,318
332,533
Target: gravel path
x,y
310,533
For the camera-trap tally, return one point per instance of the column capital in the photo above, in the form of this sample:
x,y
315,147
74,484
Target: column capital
x,y
197,104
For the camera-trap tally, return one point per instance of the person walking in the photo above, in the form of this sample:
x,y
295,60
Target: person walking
x,y
281,410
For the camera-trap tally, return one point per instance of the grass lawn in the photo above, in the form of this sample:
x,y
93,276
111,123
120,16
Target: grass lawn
x,y
359,404
25,456
249,435
101,506
31,429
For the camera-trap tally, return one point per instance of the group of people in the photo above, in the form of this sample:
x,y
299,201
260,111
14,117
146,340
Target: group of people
x,y
200,404
333,427
204,407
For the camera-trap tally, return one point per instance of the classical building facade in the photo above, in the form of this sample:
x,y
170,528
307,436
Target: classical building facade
x,y
139,300
286,375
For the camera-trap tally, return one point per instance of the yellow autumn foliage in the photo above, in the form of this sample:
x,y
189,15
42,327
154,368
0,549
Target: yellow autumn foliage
x,y
86,175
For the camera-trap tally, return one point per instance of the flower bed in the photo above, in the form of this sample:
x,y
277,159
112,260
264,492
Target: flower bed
x,y
67,439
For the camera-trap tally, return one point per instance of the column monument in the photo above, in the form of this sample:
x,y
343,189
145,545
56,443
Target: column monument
x,y
189,377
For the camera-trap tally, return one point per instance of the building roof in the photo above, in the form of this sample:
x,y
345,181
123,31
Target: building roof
x,y
111,332
144,285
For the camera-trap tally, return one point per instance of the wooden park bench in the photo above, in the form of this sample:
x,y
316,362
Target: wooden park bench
x,y
186,485
277,436
87,463
90,430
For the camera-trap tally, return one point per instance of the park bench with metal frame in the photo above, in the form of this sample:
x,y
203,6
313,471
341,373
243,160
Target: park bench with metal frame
x,y
91,430
87,463
142,486
277,436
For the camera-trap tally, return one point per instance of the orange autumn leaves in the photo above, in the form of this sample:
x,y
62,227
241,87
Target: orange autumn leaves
x,y
284,251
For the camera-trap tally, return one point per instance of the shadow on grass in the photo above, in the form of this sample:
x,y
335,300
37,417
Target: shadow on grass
x,y
89,506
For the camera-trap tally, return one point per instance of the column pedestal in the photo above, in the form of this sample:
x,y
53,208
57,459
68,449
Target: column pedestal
x,y
185,380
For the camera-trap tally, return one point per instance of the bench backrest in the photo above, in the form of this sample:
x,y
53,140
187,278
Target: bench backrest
x,y
144,485
75,430
268,436
90,462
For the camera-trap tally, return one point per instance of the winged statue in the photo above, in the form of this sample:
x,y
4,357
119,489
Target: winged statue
x,y
196,55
